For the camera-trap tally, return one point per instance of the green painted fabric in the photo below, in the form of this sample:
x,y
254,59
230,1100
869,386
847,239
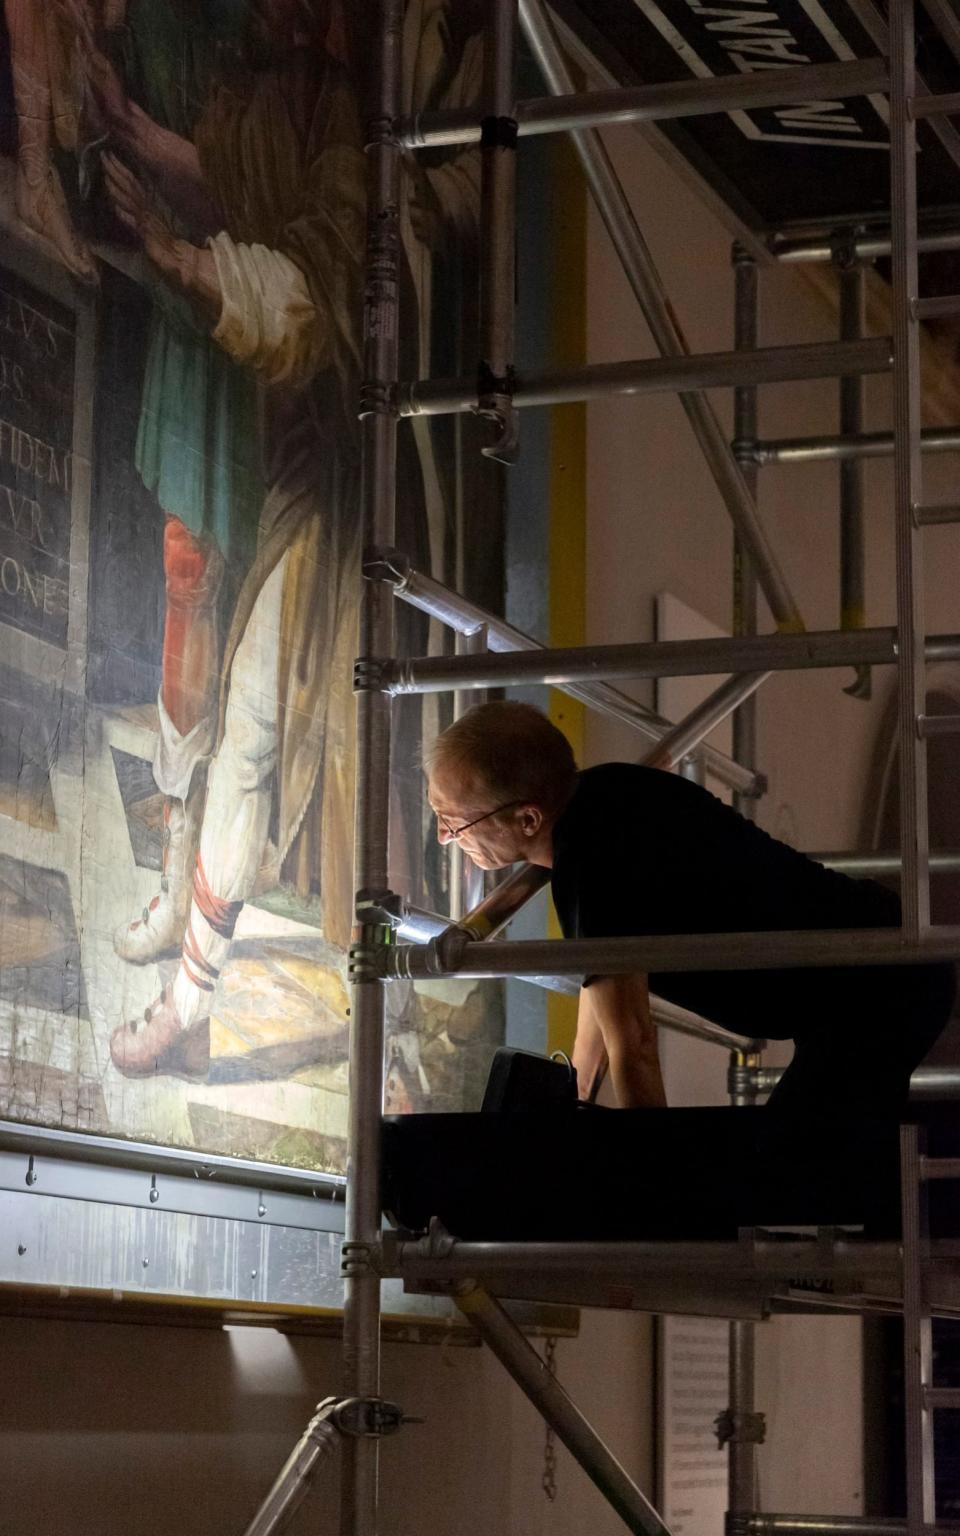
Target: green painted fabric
x,y
197,442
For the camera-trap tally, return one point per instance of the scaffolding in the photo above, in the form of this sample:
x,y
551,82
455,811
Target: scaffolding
x,y
916,1278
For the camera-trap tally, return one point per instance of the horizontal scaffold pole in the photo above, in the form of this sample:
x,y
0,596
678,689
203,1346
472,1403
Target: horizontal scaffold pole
x,y
821,248
824,1525
832,448
658,658
654,375
654,103
466,618
482,1261
673,952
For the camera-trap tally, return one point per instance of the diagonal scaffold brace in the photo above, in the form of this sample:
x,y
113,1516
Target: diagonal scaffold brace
x,y
336,1419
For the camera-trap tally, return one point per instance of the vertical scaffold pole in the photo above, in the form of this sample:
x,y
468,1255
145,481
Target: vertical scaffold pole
x,y
361,1320
744,1427
914,839
498,225
852,278
745,333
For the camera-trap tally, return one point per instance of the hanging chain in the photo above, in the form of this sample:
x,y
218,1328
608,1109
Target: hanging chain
x,y
549,1480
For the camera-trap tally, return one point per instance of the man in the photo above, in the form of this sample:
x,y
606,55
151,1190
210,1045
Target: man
x,y
635,851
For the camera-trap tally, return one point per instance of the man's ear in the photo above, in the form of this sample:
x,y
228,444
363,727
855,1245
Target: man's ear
x,y
531,820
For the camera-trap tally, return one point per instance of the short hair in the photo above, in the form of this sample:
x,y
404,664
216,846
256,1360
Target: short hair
x,y
512,751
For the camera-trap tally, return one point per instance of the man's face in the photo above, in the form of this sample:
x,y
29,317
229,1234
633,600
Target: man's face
x,y
495,841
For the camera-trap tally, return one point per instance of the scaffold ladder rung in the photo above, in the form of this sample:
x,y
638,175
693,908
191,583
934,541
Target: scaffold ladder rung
x,y
943,1397
930,516
937,106
940,1167
938,725
938,307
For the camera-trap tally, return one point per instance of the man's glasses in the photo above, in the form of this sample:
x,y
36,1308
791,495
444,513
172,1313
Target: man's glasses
x,y
455,832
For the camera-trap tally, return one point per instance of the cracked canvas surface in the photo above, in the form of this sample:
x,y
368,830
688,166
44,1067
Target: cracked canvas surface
x,y
182,197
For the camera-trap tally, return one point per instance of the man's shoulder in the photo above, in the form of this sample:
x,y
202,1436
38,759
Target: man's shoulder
x,y
608,783
626,799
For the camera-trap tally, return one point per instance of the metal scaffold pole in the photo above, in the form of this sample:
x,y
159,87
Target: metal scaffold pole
x,y
650,293
361,1321
745,337
852,402
911,670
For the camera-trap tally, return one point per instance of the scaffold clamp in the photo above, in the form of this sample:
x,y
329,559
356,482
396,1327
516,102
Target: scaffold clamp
x,y
369,674
363,1418
740,1428
359,1259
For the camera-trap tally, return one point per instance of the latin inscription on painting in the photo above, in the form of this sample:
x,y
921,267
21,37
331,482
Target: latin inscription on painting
x,y
36,430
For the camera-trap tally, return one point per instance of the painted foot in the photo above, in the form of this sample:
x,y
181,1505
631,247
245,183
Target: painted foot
x,y
42,206
161,1043
157,934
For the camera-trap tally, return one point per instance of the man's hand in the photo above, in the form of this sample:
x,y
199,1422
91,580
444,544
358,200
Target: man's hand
x,y
614,1026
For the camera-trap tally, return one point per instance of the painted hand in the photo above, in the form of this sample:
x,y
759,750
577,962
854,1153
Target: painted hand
x,y
133,206
104,81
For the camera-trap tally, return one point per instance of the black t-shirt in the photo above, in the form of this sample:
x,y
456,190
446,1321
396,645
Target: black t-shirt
x,y
641,852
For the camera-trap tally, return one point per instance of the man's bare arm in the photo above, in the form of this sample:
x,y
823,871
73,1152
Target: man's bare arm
x,y
617,1009
589,1052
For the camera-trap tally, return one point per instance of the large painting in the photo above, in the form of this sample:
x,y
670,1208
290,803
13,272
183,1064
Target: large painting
x,y
182,195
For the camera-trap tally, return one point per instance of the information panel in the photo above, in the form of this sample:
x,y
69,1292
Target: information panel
x,y
36,434
694,1387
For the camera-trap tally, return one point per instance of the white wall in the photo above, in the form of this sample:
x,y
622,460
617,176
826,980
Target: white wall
x,y
108,1429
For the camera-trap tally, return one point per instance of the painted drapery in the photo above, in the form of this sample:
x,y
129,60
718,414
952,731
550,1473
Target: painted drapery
x,y
182,198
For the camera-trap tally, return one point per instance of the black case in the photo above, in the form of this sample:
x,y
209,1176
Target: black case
x,y
522,1080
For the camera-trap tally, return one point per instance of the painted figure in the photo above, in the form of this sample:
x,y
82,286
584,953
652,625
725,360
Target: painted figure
x,y
280,285
197,446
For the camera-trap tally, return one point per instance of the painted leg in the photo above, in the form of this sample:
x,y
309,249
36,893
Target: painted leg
x,y
193,570
236,821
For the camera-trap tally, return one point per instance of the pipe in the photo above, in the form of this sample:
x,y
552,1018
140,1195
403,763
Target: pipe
x,y
680,375
661,658
743,1429
675,952
653,103
677,745
649,291
417,1259
945,862
745,339
317,1443
866,445
521,1361
908,475
459,613
927,1084
917,1329
503,903
852,400
816,248
498,215
823,1525
416,926
466,878
361,1304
